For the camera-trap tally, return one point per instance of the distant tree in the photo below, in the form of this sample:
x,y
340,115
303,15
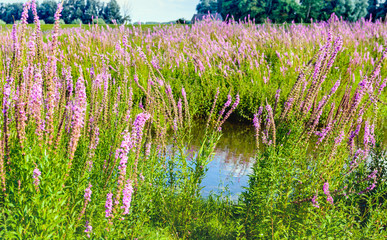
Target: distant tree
x,y
372,8
207,6
219,6
93,9
360,11
351,10
46,11
259,10
73,9
286,11
68,9
230,9
181,21
3,10
112,12
314,9
126,9
381,11
11,12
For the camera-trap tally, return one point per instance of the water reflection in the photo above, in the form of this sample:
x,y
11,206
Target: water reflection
x,y
233,159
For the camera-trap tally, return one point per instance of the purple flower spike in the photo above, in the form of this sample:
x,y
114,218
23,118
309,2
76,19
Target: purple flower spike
x,y
127,196
255,121
326,192
88,229
340,138
335,87
36,175
109,205
314,202
88,193
260,109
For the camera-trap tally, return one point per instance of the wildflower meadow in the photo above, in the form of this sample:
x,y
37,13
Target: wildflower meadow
x,y
96,129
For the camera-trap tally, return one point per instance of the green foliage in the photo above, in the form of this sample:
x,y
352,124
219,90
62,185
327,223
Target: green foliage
x,y
207,6
46,11
112,13
10,12
72,10
281,11
316,10
351,10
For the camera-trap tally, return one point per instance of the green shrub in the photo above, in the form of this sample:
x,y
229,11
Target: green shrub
x,y
99,21
77,21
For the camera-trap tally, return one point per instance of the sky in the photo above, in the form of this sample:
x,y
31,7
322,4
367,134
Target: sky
x,y
153,10
161,10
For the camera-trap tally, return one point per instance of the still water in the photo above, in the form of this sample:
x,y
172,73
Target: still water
x,y
234,157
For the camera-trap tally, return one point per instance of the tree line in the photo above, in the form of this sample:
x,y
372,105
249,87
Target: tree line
x,y
280,11
74,11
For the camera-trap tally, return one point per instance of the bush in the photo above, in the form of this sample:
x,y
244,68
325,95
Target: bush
x,y
50,20
42,22
76,21
99,21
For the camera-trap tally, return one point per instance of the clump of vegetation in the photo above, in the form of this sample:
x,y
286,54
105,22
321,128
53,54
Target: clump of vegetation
x,y
99,21
77,21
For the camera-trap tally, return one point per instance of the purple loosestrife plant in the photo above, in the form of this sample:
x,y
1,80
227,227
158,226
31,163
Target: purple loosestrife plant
x,y
233,107
339,138
87,197
257,125
127,196
108,205
138,126
367,137
78,118
314,202
131,140
323,133
88,193
88,229
226,105
327,193
36,175
277,97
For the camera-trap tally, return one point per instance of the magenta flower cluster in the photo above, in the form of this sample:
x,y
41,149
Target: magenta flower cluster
x,y
36,175
127,196
327,193
88,193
